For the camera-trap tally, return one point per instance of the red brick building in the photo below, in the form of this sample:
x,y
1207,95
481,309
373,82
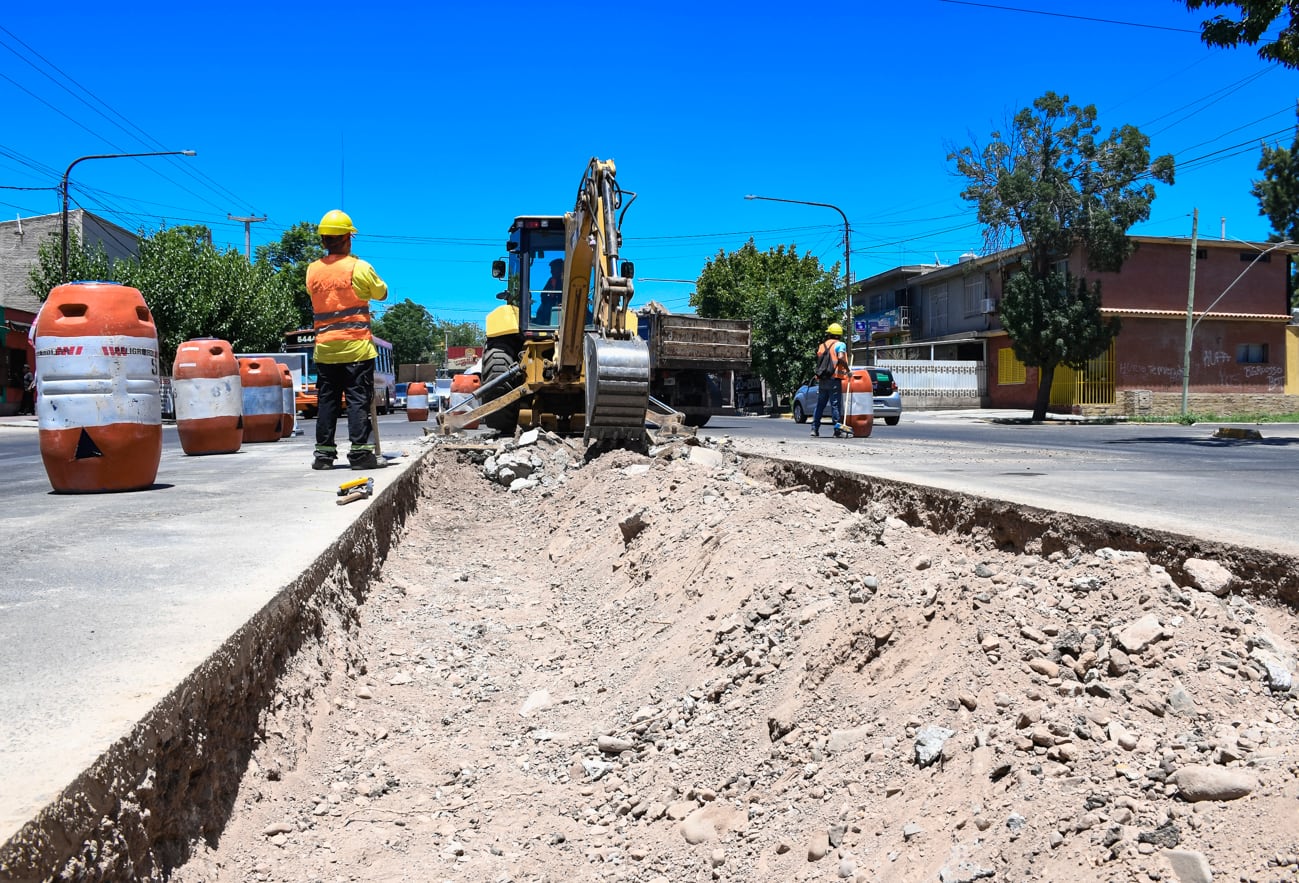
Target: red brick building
x,y
1243,352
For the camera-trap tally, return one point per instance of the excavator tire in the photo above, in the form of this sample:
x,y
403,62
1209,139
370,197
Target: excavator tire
x,y
496,361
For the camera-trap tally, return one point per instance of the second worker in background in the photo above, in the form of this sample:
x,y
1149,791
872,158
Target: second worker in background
x,y
831,369
341,286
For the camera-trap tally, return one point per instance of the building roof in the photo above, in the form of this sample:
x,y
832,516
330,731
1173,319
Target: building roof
x,y
1282,318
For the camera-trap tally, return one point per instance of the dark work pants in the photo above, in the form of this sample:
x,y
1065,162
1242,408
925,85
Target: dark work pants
x,y
356,380
828,392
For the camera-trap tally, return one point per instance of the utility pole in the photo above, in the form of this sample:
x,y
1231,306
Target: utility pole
x,y
248,233
1190,308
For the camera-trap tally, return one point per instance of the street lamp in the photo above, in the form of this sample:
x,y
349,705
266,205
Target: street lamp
x,y
64,189
847,252
1190,326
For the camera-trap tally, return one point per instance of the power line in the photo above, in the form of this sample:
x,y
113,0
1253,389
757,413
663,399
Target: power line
x,y
1106,21
144,137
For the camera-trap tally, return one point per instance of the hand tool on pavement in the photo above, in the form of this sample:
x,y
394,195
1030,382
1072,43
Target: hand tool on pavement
x,y
356,489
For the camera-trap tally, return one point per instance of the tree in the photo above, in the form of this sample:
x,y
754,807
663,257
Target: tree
x,y
1278,196
195,291
790,299
461,334
287,261
1278,192
412,331
83,263
1051,185
191,289
1249,24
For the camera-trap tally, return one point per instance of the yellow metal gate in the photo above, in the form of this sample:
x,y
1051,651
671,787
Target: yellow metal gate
x,y
1094,385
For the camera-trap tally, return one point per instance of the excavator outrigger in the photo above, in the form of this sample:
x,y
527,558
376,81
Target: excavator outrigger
x,y
563,354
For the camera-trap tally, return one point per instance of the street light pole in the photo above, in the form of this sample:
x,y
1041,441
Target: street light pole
x,y
847,257
64,189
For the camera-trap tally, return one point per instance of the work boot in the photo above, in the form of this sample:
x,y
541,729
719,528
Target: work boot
x,y
322,464
368,461
816,432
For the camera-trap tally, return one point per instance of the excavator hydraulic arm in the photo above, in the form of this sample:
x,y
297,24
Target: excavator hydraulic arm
x,y
614,360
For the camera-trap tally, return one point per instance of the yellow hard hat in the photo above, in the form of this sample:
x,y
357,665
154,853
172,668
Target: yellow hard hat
x,y
335,223
835,330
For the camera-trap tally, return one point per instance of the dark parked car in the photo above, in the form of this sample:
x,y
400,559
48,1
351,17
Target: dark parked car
x,y
888,401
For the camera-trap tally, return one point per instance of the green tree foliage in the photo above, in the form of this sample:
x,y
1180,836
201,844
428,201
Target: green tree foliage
x,y
1278,196
287,261
412,331
1052,184
191,289
462,334
790,299
195,291
1249,22
83,263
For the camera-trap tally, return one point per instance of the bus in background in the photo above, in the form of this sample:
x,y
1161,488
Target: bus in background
x,y
303,340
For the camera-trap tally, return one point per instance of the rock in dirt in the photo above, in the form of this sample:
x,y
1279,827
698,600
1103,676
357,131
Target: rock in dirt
x,y
1197,782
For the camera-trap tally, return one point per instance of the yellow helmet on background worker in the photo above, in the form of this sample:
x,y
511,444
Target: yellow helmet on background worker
x,y
335,223
835,330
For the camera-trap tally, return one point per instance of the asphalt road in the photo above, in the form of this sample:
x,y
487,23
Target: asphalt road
x,y
1161,476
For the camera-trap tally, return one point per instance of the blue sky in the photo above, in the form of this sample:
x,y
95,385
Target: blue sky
x,y
435,124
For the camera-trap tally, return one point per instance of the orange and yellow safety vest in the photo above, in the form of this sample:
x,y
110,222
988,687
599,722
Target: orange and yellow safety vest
x,y
341,288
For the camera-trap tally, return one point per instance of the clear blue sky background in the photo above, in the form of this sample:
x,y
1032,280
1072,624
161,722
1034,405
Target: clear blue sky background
x,y
434,124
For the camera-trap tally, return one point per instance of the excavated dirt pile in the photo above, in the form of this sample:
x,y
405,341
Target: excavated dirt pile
x,y
666,668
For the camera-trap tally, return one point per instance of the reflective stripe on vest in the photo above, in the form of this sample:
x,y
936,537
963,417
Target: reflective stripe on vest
x,y
337,313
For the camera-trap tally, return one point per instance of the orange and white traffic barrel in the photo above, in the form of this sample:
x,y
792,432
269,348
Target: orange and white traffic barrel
x,y
98,407
462,387
859,402
416,402
209,397
263,394
287,398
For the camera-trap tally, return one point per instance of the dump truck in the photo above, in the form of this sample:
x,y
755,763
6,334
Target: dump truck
x,y
692,359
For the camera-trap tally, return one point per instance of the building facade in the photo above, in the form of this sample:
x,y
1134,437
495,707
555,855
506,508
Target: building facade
x,y
1241,352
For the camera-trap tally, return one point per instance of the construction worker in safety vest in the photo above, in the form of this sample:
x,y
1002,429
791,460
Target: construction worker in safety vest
x,y
831,369
341,286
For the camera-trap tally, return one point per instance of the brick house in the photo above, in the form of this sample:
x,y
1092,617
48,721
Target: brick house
x,y
19,240
1244,354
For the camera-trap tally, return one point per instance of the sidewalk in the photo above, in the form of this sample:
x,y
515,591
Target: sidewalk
x,y
109,601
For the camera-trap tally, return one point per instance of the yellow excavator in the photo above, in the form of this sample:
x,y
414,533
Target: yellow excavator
x,y
562,352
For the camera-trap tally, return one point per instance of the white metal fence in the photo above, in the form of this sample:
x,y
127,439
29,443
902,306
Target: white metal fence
x,y
941,383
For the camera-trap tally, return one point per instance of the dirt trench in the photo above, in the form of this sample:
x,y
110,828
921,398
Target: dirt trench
x,y
698,666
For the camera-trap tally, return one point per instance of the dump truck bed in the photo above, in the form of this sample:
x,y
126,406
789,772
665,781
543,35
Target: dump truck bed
x,y
679,342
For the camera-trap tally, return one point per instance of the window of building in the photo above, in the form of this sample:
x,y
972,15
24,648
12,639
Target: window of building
x,y
1251,353
936,308
1249,257
1010,370
975,291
